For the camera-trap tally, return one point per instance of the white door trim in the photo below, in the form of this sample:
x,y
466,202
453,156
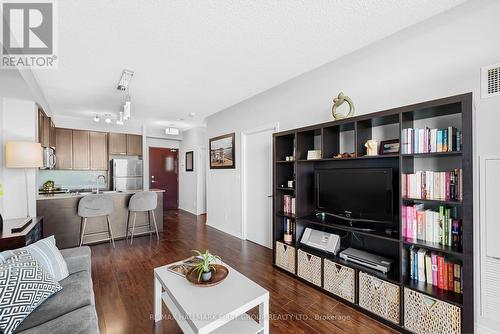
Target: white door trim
x,y
271,126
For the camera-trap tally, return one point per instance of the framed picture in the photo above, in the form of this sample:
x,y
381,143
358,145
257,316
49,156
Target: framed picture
x,y
222,152
389,146
189,161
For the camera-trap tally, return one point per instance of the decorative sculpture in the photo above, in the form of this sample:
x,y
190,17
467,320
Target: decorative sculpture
x,y
337,102
371,147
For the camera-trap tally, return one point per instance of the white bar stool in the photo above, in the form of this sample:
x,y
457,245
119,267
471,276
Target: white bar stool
x,y
93,206
144,201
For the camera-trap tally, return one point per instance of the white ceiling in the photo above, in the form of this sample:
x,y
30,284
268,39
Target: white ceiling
x,y
204,56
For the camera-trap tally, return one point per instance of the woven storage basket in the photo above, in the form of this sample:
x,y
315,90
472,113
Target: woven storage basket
x,y
309,267
427,315
285,256
339,280
379,297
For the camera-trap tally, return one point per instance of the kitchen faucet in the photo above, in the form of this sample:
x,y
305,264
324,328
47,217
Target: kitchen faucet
x,y
97,182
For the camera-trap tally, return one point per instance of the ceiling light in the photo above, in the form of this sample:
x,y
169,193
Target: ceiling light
x,y
126,109
171,131
125,79
119,121
192,114
108,118
96,118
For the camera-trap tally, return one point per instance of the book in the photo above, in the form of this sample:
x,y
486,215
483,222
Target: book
x,y
412,263
421,264
457,278
181,268
434,259
440,265
449,272
428,268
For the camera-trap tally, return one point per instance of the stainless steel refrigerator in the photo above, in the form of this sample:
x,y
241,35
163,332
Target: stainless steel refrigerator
x,y
127,174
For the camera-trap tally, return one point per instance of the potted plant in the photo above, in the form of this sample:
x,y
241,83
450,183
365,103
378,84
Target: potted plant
x,y
205,268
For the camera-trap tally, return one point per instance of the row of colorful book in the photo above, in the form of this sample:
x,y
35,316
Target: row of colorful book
x,y
445,186
435,269
441,226
431,140
288,204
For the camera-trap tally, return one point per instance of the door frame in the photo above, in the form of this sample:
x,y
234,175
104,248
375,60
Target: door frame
x,y
178,169
243,145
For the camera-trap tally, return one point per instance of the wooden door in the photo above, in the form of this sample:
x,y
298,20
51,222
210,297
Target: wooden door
x,y
81,150
98,151
134,145
117,144
52,134
164,174
64,149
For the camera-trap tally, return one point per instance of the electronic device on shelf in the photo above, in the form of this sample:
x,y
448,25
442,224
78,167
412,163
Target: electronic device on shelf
x,y
362,197
369,260
324,241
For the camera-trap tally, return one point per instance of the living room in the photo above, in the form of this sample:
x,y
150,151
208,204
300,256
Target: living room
x,y
261,167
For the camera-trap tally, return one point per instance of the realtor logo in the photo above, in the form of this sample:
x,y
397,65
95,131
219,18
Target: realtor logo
x,y
28,34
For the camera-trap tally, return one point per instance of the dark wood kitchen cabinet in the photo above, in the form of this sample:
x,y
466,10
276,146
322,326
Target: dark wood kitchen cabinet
x,y
117,144
98,151
134,145
44,129
81,150
64,148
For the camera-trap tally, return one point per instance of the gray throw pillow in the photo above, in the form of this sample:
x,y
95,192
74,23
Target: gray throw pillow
x,y
46,254
24,285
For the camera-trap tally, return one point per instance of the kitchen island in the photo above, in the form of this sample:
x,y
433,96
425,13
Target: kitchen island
x,y
62,221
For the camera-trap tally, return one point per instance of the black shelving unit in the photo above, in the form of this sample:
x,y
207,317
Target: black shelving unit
x,y
329,138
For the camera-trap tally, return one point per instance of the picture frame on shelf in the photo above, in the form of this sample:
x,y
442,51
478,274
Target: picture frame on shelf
x,y
222,152
190,161
391,146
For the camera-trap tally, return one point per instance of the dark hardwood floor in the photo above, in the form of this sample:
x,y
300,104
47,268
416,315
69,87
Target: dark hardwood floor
x,y
123,282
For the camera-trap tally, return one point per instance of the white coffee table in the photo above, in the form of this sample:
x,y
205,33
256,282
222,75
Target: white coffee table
x,y
218,309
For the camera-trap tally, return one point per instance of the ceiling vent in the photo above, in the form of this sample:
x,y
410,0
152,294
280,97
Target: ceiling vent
x,y
490,81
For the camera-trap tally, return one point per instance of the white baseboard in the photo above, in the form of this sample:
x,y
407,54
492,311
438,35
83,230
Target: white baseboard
x,y
234,234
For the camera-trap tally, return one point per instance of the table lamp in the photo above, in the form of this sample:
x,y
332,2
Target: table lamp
x,y
22,154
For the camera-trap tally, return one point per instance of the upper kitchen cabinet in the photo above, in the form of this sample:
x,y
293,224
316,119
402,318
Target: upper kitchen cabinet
x,y
134,145
117,144
81,149
52,134
124,144
98,151
64,145
44,130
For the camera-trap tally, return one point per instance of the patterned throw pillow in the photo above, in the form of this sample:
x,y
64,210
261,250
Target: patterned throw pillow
x,y
46,254
24,285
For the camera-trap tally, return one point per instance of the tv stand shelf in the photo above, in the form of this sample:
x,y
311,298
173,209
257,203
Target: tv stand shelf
x,y
290,150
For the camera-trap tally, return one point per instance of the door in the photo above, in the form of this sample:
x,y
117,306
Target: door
x,y
98,151
81,150
134,145
258,186
64,149
164,174
117,144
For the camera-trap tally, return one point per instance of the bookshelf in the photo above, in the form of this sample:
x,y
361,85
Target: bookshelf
x,y
349,136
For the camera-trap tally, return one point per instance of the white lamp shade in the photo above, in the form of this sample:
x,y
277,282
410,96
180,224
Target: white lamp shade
x,y
22,154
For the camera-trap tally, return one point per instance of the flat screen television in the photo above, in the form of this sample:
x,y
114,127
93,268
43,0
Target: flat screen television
x,y
361,196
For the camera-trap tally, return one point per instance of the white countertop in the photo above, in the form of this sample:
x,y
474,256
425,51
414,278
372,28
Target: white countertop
x,y
78,195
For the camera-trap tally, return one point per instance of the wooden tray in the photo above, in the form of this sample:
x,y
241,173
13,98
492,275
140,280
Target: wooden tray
x,y
218,276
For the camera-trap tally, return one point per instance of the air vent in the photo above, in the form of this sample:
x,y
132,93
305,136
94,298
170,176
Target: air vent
x,y
490,81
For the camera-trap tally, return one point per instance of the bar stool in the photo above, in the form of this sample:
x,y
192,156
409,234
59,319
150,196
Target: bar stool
x,y
92,206
144,201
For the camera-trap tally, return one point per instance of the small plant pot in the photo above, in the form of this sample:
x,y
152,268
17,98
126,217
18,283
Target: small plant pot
x,y
206,276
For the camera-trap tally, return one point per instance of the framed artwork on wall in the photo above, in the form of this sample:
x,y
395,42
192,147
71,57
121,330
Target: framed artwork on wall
x,y
222,154
189,161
